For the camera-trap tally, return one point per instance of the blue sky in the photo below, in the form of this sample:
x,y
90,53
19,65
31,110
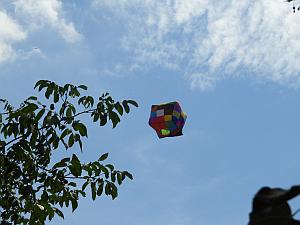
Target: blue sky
x,y
233,65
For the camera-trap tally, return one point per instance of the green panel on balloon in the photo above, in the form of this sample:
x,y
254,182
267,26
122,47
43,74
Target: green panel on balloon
x,y
165,132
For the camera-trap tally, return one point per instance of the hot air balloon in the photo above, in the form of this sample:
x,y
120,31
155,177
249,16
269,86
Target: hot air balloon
x,y
167,119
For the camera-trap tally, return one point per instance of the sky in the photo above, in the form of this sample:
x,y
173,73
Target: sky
x,y
232,65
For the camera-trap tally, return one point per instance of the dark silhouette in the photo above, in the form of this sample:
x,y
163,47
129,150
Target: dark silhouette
x,y
270,206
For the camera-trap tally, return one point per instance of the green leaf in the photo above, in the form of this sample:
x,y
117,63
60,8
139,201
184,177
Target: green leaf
x,y
119,178
49,92
85,185
93,189
75,92
103,119
33,138
133,103
69,112
56,97
50,214
126,107
72,108
100,189
110,166
83,194
62,110
42,84
80,144
31,107
65,133
114,191
55,120
72,184
71,140
119,108
74,204
65,159
90,101
67,201
113,177
129,175
114,118
38,83
82,129
32,98
80,100
58,212
88,168
96,117
75,167
75,159
59,164
104,170
107,189
83,87
39,115
103,157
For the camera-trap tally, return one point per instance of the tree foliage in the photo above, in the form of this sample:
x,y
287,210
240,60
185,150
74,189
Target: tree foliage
x,y
33,188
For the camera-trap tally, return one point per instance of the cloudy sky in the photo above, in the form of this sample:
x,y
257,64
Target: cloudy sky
x,y
233,65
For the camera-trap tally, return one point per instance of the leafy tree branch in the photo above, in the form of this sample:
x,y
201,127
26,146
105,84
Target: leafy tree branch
x,y
33,189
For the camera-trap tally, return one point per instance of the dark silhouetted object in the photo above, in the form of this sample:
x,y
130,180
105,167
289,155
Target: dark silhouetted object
x,y
270,206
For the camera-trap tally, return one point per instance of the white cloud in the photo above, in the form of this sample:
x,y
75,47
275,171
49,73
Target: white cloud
x,y
121,70
202,81
34,52
10,33
219,37
26,17
44,13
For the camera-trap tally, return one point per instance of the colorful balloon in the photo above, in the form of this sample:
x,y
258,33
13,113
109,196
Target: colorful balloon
x,y
167,119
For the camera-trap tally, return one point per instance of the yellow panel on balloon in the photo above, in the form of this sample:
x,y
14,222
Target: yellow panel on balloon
x,y
168,117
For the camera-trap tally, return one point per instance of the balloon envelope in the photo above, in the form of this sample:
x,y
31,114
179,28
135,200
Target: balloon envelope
x,y
167,119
